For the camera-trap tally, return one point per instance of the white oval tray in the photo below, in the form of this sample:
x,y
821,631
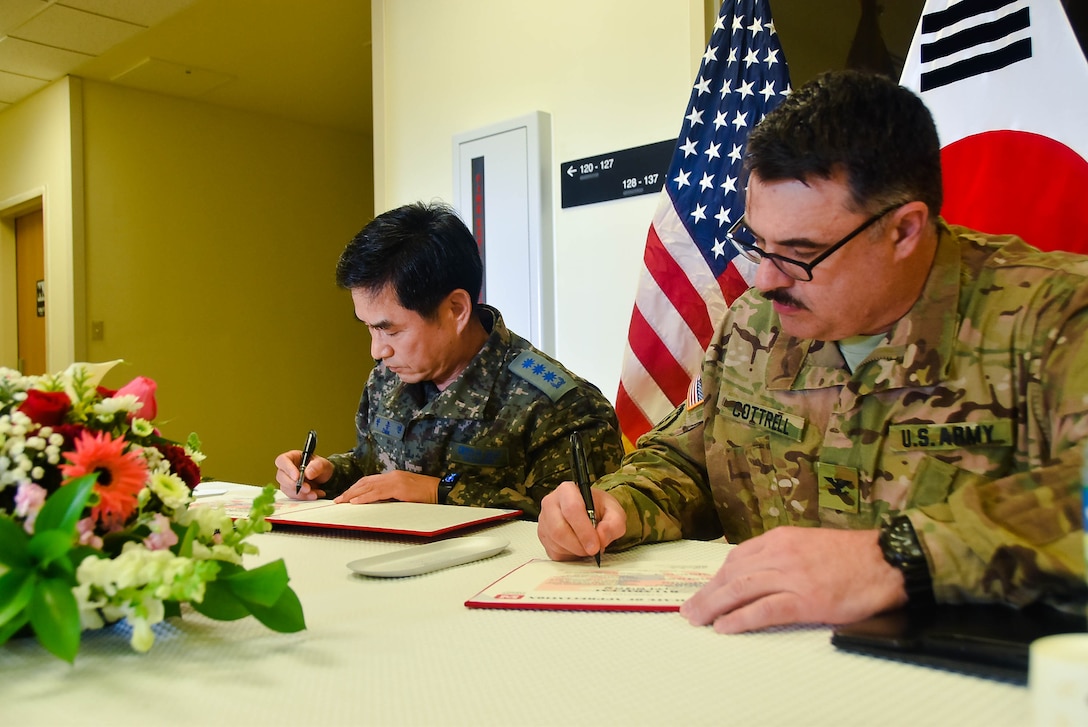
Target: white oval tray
x,y
426,558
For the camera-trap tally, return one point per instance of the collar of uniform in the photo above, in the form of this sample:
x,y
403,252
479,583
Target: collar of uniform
x,y
916,352
466,396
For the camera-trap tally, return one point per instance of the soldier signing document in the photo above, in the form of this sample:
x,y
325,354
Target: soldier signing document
x,y
458,409
894,412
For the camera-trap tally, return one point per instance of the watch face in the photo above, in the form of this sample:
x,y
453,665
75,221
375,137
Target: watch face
x,y
899,544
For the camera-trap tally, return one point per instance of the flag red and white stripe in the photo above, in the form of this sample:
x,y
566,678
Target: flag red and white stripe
x,y
690,272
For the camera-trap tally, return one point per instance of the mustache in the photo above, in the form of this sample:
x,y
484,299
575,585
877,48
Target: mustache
x,y
781,296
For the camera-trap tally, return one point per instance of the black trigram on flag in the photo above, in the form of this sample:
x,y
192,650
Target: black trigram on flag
x,y
1007,83
989,34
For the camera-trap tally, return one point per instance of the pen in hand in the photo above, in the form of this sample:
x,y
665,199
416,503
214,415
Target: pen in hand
x,y
580,468
307,452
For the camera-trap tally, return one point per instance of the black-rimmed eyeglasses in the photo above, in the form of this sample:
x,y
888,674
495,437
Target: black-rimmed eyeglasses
x,y
747,244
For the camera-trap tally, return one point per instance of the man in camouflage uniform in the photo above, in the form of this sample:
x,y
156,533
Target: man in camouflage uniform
x,y
915,400
458,409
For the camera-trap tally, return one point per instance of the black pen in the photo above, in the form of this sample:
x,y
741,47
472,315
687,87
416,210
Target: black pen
x,y
307,452
580,468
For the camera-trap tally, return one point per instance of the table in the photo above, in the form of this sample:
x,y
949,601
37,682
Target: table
x,y
407,652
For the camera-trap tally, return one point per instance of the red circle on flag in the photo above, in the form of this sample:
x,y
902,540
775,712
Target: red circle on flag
x,y
1020,183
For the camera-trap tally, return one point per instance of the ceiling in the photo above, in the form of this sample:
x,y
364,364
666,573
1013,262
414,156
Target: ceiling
x,y
306,60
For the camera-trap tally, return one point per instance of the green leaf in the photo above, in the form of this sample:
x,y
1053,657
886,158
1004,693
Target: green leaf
x,y
184,548
13,541
63,509
193,442
16,587
13,627
49,545
79,552
261,586
220,603
60,568
285,615
54,615
226,570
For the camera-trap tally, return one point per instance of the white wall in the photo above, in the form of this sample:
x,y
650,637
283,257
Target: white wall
x,y
613,74
40,155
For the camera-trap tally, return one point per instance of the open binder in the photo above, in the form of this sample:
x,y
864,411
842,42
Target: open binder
x,y
393,518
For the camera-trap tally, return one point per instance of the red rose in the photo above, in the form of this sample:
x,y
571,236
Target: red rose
x,y
47,408
70,432
181,464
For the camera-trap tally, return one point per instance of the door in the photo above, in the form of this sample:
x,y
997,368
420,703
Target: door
x,y
498,193
30,291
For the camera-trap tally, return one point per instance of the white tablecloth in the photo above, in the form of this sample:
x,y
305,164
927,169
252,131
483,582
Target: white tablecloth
x,y
407,652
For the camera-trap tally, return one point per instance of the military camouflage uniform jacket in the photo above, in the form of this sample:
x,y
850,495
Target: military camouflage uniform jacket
x,y
504,425
967,418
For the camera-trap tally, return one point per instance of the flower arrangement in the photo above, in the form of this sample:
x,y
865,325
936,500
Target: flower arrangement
x,y
96,523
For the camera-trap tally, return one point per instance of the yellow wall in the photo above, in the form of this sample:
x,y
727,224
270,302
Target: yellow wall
x,y
211,242
37,158
613,74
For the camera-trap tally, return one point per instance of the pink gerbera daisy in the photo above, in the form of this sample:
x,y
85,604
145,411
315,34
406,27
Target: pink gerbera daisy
x,y
121,476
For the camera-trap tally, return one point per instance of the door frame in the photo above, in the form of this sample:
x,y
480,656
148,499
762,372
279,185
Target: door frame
x,y
10,209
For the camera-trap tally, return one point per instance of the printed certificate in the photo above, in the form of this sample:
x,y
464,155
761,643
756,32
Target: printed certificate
x,y
633,585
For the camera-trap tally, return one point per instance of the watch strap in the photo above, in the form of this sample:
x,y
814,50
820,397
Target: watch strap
x,y
445,485
901,549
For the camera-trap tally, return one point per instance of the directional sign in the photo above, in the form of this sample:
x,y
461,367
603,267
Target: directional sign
x,y
617,174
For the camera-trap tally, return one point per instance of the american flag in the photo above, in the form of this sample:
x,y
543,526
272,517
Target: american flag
x,y
689,273
1007,83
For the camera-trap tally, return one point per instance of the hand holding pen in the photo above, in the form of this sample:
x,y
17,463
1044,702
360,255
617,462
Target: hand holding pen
x,y
307,453
580,467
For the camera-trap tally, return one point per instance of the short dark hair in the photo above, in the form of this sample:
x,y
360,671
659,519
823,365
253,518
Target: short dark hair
x,y
424,251
864,124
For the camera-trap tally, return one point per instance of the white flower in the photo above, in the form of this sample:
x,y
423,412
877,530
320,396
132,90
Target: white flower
x,y
107,409
209,520
90,373
134,585
142,427
89,618
155,461
143,638
217,551
171,489
194,454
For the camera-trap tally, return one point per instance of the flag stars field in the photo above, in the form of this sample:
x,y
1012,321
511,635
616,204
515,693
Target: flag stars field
x,y
688,275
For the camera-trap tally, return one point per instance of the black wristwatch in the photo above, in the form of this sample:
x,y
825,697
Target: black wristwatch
x,y
445,485
900,547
